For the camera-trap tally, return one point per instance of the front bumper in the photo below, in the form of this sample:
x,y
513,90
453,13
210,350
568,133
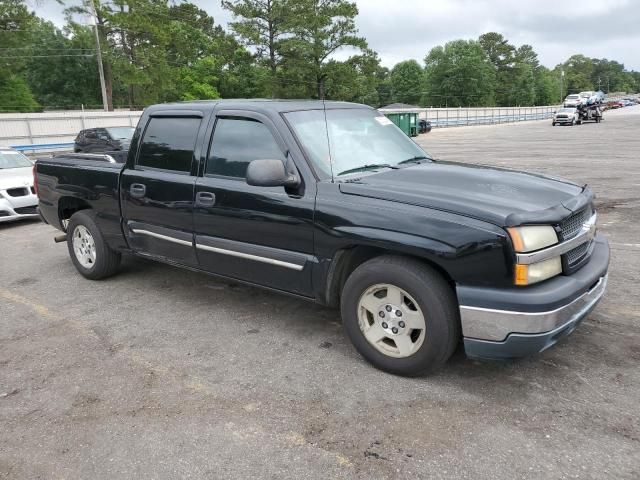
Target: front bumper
x,y
15,208
502,324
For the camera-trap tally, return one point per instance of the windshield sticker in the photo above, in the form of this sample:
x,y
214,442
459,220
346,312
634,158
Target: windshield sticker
x,y
383,121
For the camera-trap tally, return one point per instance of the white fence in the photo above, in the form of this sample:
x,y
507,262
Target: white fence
x,y
455,117
57,129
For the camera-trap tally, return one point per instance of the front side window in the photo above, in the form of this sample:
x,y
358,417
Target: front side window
x,y
238,141
168,143
121,133
351,138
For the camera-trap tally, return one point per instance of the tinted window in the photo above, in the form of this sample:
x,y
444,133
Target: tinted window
x,y
236,142
168,143
121,133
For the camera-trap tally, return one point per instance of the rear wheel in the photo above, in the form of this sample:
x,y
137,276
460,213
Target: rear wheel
x,y
89,252
401,315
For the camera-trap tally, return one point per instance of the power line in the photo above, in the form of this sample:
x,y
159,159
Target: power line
x,y
50,56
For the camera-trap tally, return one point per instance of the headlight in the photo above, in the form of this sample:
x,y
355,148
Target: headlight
x,y
529,239
532,237
536,272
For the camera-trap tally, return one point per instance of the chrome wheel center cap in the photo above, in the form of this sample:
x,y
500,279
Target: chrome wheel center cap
x,y
390,319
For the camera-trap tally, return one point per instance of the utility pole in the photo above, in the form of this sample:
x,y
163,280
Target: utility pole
x,y
561,82
103,87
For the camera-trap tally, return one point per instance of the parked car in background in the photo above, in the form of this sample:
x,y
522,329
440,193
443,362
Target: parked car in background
x,y
572,100
18,197
613,104
96,140
424,126
565,116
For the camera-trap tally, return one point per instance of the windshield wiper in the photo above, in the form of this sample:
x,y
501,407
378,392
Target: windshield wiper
x,y
415,159
367,167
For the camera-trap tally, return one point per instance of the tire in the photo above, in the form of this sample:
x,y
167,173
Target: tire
x,y
430,347
573,122
553,124
98,260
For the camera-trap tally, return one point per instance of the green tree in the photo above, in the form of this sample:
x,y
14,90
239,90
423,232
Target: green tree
x,y
197,81
263,24
322,28
64,81
502,56
407,82
16,33
15,95
578,71
354,80
459,74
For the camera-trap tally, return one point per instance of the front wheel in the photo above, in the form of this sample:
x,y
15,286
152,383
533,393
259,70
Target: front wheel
x,y
401,315
89,252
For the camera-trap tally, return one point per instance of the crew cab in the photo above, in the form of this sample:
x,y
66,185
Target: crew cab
x,y
331,202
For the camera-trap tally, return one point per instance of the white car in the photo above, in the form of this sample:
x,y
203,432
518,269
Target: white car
x,y
566,116
573,100
18,198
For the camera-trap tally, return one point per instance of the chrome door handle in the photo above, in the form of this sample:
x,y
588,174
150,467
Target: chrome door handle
x,y
205,199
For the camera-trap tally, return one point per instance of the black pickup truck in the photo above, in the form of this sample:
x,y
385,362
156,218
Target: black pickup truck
x,y
333,203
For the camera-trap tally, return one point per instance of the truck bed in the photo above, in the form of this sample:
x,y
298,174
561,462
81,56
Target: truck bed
x,y
67,181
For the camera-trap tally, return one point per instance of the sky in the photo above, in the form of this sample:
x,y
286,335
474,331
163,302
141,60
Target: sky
x,y
407,29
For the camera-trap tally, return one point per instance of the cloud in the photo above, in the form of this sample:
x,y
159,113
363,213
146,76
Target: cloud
x,y
398,30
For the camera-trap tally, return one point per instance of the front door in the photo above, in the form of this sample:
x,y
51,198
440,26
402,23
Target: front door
x,y
157,193
263,235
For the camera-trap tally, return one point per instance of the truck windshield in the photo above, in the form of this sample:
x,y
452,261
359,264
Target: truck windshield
x,y
12,159
352,140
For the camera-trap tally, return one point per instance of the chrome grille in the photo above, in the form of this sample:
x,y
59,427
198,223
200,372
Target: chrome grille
x,y
578,253
571,225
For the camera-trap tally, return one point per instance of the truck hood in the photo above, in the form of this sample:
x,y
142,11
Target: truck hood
x,y
16,177
502,197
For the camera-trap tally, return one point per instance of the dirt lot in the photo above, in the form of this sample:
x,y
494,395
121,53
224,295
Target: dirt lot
x,y
163,373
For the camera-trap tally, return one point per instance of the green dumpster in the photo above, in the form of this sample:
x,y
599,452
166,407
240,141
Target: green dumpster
x,y
407,122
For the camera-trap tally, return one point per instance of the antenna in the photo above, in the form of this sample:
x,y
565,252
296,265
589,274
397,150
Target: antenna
x,y
326,127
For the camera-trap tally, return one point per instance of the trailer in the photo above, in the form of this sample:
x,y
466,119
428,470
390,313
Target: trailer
x,y
590,113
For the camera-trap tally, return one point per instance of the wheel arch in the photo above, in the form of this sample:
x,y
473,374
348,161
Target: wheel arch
x,y
67,206
347,259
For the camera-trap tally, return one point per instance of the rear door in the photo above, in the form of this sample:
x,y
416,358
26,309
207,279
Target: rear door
x,y
263,235
157,193
89,140
103,142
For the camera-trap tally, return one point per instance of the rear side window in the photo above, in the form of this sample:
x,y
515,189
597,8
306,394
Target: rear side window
x,y
238,141
168,143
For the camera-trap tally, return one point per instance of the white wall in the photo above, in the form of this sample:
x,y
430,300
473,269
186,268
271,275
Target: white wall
x,y
58,127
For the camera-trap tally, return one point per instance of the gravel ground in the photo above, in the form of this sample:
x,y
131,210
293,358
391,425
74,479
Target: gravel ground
x,y
163,373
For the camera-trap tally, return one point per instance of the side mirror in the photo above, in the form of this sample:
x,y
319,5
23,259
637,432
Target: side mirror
x,y
270,173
